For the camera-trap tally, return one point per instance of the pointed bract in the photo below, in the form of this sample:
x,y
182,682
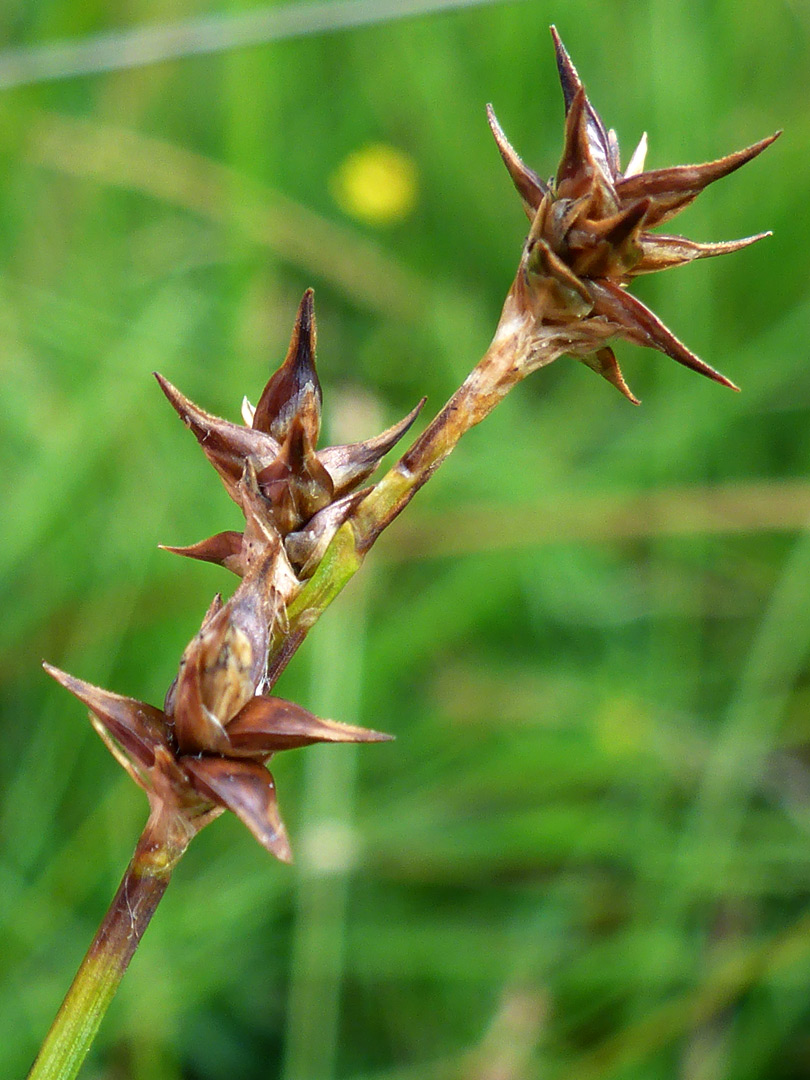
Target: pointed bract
x,y
571,86
226,445
296,484
661,252
529,185
544,262
306,547
604,363
671,190
267,724
353,463
584,165
608,247
138,727
638,324
249,791
294,390
225,549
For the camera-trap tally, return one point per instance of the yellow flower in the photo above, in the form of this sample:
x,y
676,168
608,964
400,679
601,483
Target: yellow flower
x,y
377,184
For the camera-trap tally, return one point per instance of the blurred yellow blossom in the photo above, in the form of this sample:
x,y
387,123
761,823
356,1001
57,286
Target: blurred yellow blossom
x,y
376,184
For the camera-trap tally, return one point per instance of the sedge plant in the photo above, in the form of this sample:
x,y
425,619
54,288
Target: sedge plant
x,y
311,517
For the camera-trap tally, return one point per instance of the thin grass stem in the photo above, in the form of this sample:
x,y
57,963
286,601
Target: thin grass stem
x,y
142,887
124,50
496,373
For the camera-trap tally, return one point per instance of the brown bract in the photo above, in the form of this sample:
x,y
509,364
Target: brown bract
x,y
271,467
590,236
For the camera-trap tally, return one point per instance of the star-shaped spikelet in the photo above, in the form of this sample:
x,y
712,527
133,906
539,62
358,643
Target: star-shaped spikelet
x,y
271,467
590,235
205,750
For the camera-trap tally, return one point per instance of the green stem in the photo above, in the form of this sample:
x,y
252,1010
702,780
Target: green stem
x,y
503,365
72,1032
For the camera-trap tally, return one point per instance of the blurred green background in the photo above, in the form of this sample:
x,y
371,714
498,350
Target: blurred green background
x,y
586,855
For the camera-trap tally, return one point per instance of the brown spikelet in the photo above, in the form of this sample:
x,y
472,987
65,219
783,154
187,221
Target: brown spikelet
x,y
590,237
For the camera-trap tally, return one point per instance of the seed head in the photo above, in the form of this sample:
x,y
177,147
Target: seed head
x,y
271,467
589,237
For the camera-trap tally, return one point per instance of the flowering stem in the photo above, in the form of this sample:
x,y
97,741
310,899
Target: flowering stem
x,y
512,352
502,366
75,1026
